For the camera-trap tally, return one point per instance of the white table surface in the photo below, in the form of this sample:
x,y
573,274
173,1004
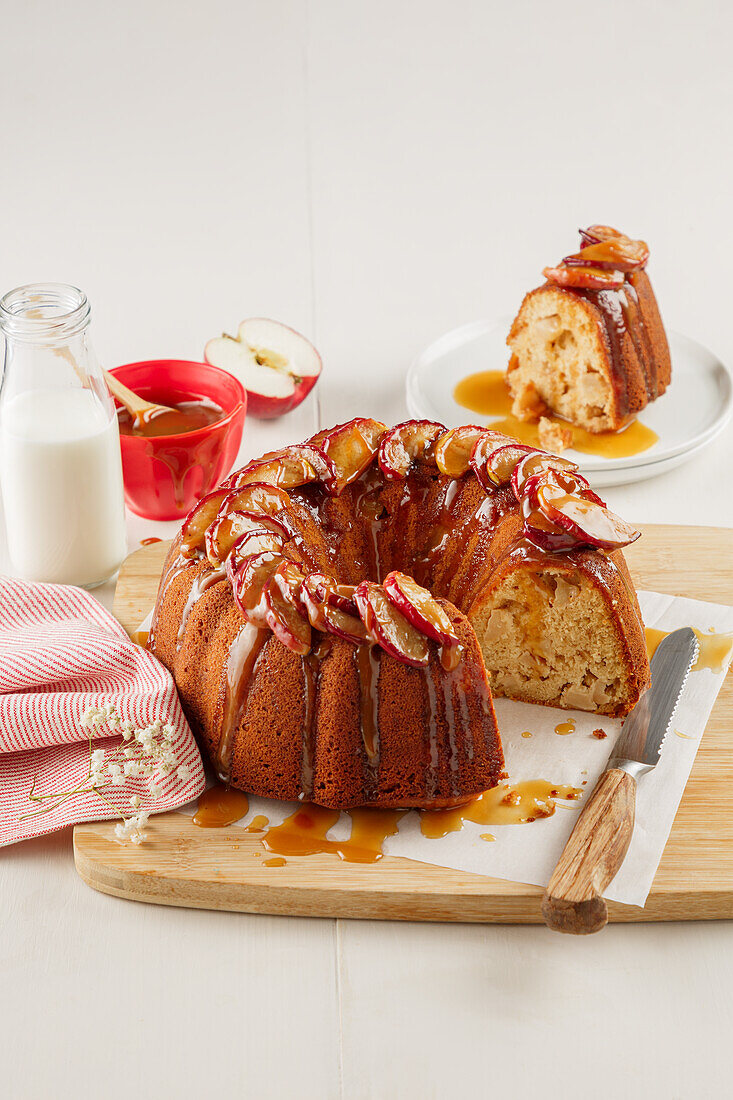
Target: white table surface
x,y
373,174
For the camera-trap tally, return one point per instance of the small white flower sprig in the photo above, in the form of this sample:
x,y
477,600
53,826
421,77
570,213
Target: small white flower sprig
x,y
143,754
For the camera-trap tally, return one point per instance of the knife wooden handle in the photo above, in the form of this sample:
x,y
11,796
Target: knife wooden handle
x,y
595,850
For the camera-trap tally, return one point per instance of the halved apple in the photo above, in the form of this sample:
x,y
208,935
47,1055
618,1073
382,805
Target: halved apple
x,y
453,449
276,365
589,522
198,520
283,618
351,448
412,441
419,606
248,584
388,627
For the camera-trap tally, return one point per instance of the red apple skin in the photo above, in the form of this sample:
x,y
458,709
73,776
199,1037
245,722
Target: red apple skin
x,y
441,630
269,408
284,620
582,527
198,520
325,589
369,597
248,584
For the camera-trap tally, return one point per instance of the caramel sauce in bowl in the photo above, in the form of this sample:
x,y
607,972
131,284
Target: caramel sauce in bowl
x,y
186,416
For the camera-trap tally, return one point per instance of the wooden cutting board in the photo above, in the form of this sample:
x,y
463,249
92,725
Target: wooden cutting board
x,y
181,864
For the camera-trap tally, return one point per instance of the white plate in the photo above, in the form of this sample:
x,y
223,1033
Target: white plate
x,y
693,411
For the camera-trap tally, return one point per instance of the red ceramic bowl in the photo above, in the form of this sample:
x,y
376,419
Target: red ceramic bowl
x,y
165,475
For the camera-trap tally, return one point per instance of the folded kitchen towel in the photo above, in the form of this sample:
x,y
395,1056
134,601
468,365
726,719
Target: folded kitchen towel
x,y
90,723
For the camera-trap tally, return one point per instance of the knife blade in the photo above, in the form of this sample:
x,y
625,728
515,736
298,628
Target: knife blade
x,y
643,733
597,846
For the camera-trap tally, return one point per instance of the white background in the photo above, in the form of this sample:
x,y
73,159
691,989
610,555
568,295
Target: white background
x,y
373,174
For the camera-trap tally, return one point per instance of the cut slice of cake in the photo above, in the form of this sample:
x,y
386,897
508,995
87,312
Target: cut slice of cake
x,y
589,345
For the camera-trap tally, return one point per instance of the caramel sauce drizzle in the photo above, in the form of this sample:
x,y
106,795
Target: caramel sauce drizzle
x,y
715,649
241,661
304,833
177,566
507,804
220,806
200,585
564,728
486,393
368,664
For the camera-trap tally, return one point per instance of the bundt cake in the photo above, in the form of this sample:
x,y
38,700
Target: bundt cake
x,y
589,345
329,613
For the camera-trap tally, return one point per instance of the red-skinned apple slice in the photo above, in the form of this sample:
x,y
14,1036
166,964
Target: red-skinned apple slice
x,y
226,531
589,522
351,448
298,465
345,626
277,366
594,234
539,462
453,449
588,278
419,607
256,497
388,627
614,254
325,589
326,616
257,541
483,449
198,520
289,579
412,441
542,533
501,463
248,584
284,620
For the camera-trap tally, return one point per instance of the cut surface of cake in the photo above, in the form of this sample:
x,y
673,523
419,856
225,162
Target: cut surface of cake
x,y
337,614
589,345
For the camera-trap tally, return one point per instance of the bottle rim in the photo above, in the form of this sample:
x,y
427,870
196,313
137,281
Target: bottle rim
x,y
44,312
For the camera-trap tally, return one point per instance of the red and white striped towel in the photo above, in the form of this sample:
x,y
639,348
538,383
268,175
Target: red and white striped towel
x,y
61,653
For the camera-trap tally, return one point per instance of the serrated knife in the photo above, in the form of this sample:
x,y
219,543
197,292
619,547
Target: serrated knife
x,y
597,846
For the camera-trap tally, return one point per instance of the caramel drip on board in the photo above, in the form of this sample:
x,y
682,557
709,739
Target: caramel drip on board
x,y
151,541
258,824
276,861
486,393
241,660
715,649
200,585
564,728
304,833
507,804
220,806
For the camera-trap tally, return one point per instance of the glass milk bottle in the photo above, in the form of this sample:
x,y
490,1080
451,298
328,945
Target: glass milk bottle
x,y
60,463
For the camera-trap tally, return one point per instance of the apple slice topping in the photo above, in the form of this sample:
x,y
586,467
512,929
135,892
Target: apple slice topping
x,y
289,577
198,520
406,443
248,585
326,589
588,278
295,466
388,627
283,617
227,531
588,522
324,615
540,531
277,366
257,541
502,462
351,448
256,497
613,254
484,448
539,462
453,449
419,607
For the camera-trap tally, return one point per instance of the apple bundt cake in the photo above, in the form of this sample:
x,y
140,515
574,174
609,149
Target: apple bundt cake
x,y
335,613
